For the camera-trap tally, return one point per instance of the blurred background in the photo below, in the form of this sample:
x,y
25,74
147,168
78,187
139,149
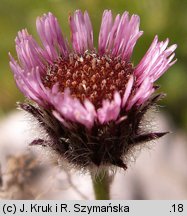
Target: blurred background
x,y
167,162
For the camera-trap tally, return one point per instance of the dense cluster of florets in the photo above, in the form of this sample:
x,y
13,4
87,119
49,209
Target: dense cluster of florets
x,y
89,76
90,102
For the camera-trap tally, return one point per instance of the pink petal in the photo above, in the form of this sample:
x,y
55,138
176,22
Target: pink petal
x,y
51,37
119,38
29,82
110,110
71,109
127,91
106,26
82,32
156,61
141,93
28,51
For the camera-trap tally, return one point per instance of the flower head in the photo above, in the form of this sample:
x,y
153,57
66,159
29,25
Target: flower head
x,y
90,101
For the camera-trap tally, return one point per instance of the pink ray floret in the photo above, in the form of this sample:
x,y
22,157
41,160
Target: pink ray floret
x,y
82,33
73,110
110,110
51,37
120,37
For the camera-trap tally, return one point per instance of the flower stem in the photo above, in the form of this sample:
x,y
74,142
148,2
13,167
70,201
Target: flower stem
x,y
101,185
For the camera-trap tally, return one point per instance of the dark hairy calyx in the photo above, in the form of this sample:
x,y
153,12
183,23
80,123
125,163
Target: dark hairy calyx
x,y
103,145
